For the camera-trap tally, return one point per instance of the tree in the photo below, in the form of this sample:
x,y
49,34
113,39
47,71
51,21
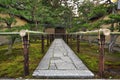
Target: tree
x,y
8,21
85,9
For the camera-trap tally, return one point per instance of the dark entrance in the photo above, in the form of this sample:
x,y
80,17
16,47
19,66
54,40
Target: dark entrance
x,y
59,32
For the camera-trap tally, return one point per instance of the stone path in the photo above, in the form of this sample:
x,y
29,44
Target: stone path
x,y
61,62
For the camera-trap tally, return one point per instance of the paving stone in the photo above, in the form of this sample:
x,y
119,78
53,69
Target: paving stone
x,y
66,59
56,61
52,66
64,74
65,66
58,54
61,62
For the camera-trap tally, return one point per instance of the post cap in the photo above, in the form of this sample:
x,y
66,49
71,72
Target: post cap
x,y
114,1
22,33
106,32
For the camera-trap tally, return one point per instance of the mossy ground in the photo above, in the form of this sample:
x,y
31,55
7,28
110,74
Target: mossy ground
x,y
12,65
89,54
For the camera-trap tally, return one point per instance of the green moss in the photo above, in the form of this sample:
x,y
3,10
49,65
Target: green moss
x,y
12,65
91,62
89,54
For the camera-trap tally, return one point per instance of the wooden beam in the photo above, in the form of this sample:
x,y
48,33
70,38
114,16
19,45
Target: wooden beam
x,y
78,43
42,43
26,54
9,33
101,55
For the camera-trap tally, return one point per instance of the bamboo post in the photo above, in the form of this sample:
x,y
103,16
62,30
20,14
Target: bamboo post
x,y
47,39
26,54
71,40
101,55
51,37
67,38
42,43
78,44
64,35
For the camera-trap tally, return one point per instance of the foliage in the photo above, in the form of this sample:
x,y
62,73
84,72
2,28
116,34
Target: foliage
x,y
98,11
8,21
88,12
115,17
85,9
97,24
40,12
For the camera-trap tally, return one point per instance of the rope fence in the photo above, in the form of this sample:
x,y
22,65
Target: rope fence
x,y
26,34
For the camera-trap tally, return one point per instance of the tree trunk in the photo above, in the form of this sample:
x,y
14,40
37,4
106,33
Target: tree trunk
x,y
10,44
36,25
9,26
112,42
